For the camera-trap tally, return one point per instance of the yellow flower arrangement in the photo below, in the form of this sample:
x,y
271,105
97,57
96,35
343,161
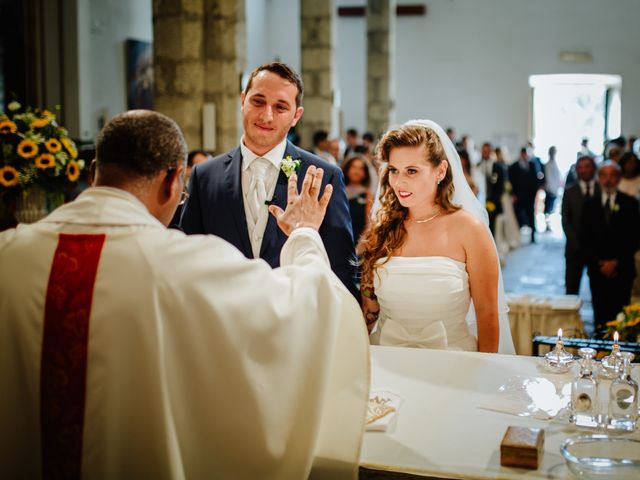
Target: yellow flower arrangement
x,y
627,324
7,127
45,160
8,176
68,144
27,149
491,207
53,145
73,170
40,122
35,151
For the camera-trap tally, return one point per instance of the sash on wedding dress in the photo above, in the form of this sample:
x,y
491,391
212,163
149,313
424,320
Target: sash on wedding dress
x,y
432,336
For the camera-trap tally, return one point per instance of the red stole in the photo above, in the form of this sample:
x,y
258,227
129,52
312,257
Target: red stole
x,y
64,353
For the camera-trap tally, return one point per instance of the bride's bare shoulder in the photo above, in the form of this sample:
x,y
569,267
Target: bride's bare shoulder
x,y
463,220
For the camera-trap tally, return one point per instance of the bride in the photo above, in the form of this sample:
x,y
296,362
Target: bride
x,y
430,271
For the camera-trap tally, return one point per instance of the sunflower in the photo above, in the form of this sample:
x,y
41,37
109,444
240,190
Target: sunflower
x,y
8,176
73,170
40,122
71,148
7,126
27,148
53,145
45,160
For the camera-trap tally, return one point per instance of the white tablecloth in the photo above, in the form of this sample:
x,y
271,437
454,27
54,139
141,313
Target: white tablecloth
x,y
529,315
440,429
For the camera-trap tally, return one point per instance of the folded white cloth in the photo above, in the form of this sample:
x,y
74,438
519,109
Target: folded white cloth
x,y
382,409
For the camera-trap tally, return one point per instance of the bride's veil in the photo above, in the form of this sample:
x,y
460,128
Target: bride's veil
x,y
464,197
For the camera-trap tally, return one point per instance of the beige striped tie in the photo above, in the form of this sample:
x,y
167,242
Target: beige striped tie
x,y
257,193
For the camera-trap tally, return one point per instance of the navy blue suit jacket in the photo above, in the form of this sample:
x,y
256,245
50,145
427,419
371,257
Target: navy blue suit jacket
x,y
215,206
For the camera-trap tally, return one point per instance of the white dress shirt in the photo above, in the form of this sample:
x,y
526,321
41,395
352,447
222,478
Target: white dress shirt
x,y
274,157
592,187
605,196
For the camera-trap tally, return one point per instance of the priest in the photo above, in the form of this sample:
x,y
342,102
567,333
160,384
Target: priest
x,y
131,351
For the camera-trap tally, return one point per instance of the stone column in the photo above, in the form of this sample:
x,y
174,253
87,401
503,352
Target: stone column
x,y
199,54
380,46
225,59
317,40
178,64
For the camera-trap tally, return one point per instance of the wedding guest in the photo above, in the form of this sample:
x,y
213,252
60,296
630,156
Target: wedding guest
x,y
358,183
552,184
322,145
573,201
131,351
352,141
495,176
335,150
526,178
630,181
610,236
425,258
194,158
507,230
228,195
466,168
368,140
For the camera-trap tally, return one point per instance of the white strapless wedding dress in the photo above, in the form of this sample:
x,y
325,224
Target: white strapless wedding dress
x,y
423,303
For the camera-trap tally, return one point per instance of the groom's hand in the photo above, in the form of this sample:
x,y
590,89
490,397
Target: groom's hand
x,y
306,209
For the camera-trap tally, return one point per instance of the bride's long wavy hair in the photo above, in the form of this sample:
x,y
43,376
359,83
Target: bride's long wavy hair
x,y
387,233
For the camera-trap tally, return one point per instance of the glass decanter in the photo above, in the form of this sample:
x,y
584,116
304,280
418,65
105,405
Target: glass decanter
x,y
623,397
558,360
611,363
584,388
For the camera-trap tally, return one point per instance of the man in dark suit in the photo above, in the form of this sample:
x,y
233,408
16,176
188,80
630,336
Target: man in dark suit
x,y
496,177
526,179
610,236
573,202
229,195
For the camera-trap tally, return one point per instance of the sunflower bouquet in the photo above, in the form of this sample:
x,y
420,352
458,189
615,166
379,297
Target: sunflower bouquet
x,y
35,151
627,324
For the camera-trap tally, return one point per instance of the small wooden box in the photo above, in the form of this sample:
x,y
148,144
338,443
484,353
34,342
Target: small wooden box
x,y
522,447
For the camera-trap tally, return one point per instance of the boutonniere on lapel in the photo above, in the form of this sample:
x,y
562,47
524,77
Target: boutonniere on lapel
x,y
288,166
615,208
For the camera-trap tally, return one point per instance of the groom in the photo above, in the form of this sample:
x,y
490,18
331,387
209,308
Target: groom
x,y
229,194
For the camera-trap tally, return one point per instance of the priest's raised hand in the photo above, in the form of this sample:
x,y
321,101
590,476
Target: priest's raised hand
x,y
304,209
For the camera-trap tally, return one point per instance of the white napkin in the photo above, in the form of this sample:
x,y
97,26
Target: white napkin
x,y
381,410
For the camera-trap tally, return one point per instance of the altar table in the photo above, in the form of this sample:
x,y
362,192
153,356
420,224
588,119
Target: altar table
x,y
440,430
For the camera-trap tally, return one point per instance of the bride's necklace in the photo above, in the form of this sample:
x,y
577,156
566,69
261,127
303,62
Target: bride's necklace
x,y
427,219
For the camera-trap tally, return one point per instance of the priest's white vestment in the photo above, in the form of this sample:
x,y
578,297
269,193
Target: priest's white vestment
x,y
197,362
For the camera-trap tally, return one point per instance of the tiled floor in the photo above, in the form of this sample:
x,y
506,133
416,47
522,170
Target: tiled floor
x,y
539,268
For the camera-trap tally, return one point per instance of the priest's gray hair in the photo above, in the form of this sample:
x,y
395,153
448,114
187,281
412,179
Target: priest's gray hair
x,y
140,143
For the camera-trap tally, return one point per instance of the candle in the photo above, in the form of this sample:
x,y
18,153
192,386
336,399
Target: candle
x,y
616,348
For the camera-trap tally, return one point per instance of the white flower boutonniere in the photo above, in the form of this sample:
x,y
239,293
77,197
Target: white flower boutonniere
x,y
289,165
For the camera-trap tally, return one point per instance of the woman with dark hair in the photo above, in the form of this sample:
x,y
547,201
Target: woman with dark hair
x,y
630,181
357,179
466,168
430,271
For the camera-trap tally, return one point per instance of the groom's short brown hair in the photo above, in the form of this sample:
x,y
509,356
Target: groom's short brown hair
x,y
284,71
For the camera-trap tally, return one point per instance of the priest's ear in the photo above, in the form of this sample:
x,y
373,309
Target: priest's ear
x,y
174,184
